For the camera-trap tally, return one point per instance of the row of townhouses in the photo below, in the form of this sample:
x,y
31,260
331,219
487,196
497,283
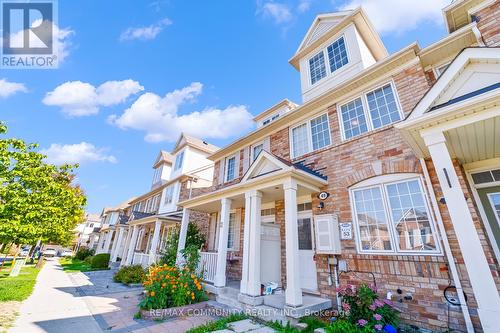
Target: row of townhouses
x,y
387,173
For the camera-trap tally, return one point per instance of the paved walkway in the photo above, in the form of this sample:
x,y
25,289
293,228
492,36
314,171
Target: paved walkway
x,y
246,326
52,307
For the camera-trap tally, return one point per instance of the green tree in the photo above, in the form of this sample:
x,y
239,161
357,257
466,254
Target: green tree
x,y
38,201
194,239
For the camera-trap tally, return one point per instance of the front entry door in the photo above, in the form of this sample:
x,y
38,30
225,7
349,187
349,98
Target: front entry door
x,y
308,278
490,199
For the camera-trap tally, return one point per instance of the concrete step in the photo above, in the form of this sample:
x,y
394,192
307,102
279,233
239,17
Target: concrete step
x,y
229,301
268,313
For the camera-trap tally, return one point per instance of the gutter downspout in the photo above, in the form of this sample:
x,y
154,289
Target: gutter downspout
x,y
447,249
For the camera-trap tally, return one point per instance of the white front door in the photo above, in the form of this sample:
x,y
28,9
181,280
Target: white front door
x,y
308,278
270,253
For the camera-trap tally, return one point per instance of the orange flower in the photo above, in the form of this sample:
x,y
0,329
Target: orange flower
x,y
152,293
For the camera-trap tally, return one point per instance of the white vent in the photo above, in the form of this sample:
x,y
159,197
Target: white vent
x,y
327,234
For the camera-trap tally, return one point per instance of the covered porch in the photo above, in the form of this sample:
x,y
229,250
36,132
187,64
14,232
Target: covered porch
x,y
266,248
455,128
146,238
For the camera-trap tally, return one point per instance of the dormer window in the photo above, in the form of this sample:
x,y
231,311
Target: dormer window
x,y
337,58
157,175
270,119
178,161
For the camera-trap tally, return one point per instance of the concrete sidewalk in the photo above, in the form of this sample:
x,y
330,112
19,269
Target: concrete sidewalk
x,y
53,307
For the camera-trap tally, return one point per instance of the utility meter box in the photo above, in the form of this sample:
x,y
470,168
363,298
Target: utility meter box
x,y
327,234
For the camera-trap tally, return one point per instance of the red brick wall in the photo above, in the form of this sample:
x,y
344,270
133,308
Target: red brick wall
x,y
489,24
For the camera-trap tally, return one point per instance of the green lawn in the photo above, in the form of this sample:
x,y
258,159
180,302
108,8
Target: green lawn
x,y
17,288
72,265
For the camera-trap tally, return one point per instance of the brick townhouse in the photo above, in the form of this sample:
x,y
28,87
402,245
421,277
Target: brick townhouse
x,y
387,173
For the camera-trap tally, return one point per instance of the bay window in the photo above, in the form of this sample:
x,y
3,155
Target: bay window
x,y
311,135
393,217
369,111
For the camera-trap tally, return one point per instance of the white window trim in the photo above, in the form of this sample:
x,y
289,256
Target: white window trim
x,y
382,182
309,135
324,49
252,158
366,111
437,67
183,153
226,169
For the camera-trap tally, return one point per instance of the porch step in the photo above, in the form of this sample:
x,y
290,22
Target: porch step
x,y
229,296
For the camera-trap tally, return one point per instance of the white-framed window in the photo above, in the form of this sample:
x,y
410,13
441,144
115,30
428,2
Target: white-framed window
x,y
439,70
231,237
317,67
169,194
268,215
373,109
270,119
310,136
337,58
157,174
230,168
178,160
256,149
393,216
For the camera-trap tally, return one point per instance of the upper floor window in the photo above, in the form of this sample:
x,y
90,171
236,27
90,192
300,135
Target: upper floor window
x,y
256,150
370,111
230,168
317,67
157,175
169,194
178,161
337,58
393,217
310,136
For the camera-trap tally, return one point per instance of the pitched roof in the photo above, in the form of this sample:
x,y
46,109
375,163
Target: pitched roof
x,y
163,157
185,139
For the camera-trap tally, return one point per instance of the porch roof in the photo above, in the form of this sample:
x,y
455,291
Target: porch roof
x,y
266,174
149,218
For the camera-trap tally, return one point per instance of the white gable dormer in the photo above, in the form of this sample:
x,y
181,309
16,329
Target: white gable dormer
x,y
162,168
336,47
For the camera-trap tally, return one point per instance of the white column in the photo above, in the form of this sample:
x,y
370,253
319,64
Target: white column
x,y
100,241
117,245
220,275
154,242
131,247
107,243
253,287
481,279
125,246
246,244
293,292
182,235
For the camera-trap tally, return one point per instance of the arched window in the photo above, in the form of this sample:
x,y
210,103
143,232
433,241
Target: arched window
x,y
392,215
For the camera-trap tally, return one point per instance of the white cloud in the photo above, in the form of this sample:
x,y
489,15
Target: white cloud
x,y
76,98
80,153
10,88
304,6
279,12
159,118
62,42
396,16
145,33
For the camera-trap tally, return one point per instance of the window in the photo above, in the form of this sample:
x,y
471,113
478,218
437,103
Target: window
x,y
169,194
484,177
230,168
305,233
157,175
440,69
320,132
304,207
178,161
268,120
256,150
353,118
310,136
370,111
317,67
268,215
337,54
393,217
232,231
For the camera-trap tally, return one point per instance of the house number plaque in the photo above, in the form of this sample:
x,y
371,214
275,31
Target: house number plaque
x,y
345,231
323,195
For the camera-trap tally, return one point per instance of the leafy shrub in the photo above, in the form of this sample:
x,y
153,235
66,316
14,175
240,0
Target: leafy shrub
x,y
194,238
83,253
130,274
363,311
100,260
88,260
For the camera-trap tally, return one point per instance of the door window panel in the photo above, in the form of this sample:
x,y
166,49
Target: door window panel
x,y
305,234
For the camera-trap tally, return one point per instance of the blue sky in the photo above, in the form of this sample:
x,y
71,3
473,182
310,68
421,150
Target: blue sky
x,y
136,73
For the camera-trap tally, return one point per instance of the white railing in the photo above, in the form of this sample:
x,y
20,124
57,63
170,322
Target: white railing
x,y
141,259
208,265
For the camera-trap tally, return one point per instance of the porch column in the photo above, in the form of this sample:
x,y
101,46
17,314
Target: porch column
x,y
154,242
246,244
107,243
125,246
293,292
481,279
253,286
116,245
131,246
100,241
220,275
182,235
